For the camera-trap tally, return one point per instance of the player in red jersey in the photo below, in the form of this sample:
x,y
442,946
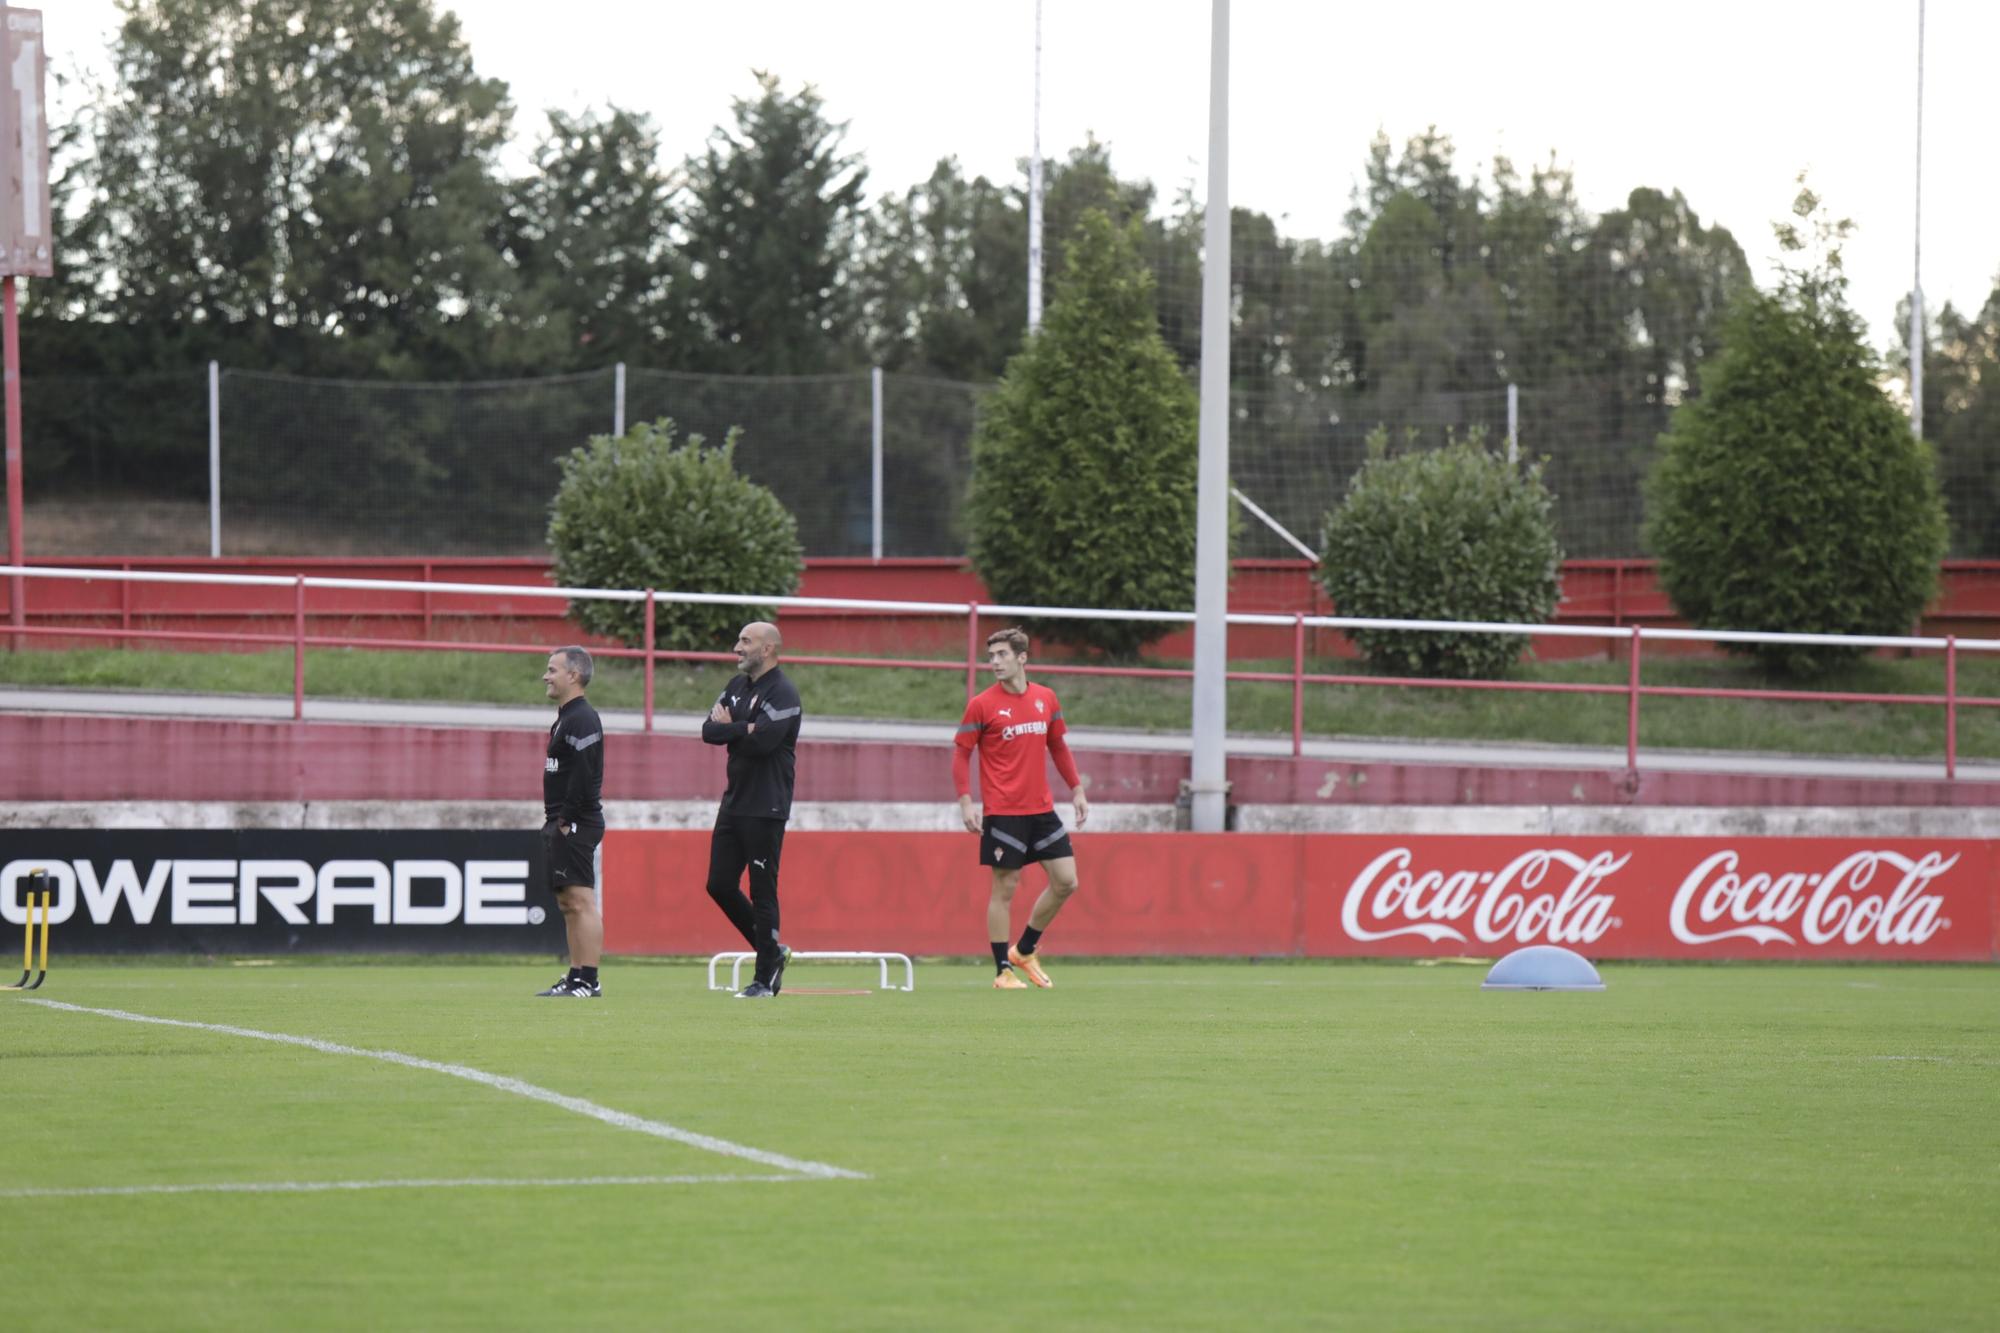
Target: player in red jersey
x,y
1016,726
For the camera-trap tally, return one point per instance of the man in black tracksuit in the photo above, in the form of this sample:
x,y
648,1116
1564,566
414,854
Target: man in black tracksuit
x,y
572,787
757,716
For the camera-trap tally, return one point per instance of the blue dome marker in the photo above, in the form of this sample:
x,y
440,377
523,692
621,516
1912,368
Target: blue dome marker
x,y
1543,967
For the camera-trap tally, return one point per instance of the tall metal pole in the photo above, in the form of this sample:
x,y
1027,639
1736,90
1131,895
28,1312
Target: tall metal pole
x,y
215,460
618,400
1035,191
10,329
1917,269
1209,788
875,458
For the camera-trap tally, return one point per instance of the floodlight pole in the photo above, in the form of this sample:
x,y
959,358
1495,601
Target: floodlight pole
x,y
1035,191
1209,787
10,319
215,460
1917,268
875,461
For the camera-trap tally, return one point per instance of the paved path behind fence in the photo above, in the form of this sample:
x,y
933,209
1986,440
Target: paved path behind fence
x,y
1343,749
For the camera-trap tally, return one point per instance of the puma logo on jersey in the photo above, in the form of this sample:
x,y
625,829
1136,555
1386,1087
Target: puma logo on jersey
x,y
1003,712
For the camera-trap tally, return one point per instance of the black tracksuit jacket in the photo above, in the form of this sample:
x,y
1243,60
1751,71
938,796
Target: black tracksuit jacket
x,y
761,762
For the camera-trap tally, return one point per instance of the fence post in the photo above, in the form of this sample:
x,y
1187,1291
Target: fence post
x,y
1632,709
649,660
1950,707
971,650
875,456
618,399
214,460
1298,684
427,602
298,647
1513,423
125,604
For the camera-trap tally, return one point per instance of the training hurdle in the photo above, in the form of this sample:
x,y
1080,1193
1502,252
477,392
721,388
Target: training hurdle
x,y
882,960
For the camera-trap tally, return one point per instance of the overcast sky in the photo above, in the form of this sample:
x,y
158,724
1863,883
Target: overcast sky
x,y
1726,100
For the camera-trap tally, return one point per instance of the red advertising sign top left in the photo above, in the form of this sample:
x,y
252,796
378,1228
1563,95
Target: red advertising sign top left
x,y
27,224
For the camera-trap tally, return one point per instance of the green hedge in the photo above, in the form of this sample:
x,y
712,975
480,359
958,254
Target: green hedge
x,y
1455,533
639,511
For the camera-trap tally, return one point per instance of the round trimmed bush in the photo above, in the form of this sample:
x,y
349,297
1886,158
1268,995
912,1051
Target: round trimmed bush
x,y
640,511
1456,533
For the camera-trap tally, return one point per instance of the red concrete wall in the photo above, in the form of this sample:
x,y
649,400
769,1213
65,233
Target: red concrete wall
x,y
59,757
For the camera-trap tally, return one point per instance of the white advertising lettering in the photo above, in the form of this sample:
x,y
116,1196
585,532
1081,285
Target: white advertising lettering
x,y
1387,899
496,893
122,882
372,890
409,912
1869,896
204,893
221,892
286,885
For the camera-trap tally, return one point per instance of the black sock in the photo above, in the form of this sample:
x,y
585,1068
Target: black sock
x,y
1029,939
1000,963
575,973
588,974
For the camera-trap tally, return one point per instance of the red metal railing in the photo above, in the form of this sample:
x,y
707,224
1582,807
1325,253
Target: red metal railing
x,y
1610,592
649,654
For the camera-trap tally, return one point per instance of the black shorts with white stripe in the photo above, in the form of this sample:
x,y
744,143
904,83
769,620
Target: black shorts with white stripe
x,y
1007,842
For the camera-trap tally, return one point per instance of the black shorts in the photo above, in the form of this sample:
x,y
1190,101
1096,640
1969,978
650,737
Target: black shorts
x,y
571,857
1007,842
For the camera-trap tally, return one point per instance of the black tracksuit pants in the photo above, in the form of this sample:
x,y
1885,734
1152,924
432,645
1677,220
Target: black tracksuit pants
x,y
738,844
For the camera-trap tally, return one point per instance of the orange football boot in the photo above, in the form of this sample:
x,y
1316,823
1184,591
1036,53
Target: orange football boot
x,y
1031,964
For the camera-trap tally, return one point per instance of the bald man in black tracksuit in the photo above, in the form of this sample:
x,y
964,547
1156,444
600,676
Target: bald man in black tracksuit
x,y
757,716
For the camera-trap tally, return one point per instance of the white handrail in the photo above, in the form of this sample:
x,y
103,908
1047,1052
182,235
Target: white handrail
x,y
1612,632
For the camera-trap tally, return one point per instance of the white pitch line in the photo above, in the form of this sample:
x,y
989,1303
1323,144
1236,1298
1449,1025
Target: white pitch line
x,y
339,1186
619,1119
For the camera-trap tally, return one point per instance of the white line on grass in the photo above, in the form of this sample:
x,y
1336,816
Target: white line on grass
x,y
619,1119
337,1186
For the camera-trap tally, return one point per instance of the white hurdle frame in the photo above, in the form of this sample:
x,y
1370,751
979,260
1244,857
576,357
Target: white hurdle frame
x,y
882,960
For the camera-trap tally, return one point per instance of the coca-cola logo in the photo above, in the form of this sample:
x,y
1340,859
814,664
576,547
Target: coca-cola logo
x,y
1546,894
1836,905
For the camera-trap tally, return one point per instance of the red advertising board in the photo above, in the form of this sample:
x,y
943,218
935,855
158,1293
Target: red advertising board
x,y
1688,898
1213,895
1334,896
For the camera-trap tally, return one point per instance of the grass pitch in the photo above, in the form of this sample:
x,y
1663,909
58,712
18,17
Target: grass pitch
x,y
1147,1146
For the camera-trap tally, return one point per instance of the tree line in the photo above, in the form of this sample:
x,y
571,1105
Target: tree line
x,y
322,187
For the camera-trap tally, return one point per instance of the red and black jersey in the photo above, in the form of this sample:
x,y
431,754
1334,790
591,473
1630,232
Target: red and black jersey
x,y
1014,734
